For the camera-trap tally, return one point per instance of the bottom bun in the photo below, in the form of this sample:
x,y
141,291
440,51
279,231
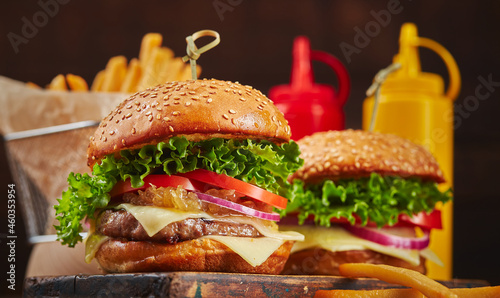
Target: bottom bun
x,y
319,261
204,255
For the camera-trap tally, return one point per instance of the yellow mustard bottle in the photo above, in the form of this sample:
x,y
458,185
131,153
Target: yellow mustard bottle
x,y
413,105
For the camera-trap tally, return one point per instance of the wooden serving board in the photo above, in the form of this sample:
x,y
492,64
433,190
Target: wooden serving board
x,y
197,284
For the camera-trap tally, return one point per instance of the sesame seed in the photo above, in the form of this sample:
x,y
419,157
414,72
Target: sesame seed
x,y
260,108
154,95
232,121
129,106
195,98
205,95
225,116
192,92
117,120
243,99
232,112
115,147
111,132
158,108
123,142
213,86
105,139
176,113
182,93
187,104
133,130
177,102
150,117
209,100
166,119
171,128
128,115
148,113
176,98
166,97
137,103
273,118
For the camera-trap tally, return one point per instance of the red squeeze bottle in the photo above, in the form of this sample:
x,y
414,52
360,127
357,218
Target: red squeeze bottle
x,y
307,106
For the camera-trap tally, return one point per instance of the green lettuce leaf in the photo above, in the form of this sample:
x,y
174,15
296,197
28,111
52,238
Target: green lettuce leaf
x,y
377,199
261,163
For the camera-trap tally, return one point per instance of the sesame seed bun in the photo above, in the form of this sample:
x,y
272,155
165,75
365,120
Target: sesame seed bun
x,y
198,110
203,255
355,153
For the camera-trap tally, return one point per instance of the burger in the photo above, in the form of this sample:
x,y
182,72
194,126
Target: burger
x,y
363,197
185,177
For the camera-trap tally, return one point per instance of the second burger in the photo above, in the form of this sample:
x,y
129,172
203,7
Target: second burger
x,y
363,197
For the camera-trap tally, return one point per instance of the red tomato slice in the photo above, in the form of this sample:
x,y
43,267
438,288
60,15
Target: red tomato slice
x,y
242,187
424,220
157,180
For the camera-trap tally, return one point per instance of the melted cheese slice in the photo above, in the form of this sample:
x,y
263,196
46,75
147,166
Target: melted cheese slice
x,y
253,250
153,219
337,239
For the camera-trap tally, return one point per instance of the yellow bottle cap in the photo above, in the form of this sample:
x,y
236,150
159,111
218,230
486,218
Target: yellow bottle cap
x,y
410,78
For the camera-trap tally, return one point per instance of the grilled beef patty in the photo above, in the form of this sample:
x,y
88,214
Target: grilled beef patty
x,y
121,224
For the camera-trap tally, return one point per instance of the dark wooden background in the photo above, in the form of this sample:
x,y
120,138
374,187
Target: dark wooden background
x,y
256,50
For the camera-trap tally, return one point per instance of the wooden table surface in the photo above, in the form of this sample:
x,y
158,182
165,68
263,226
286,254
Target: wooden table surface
x,y
199,284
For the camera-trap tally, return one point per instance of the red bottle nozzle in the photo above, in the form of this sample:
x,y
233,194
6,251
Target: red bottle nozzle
x,y
302,76
311,107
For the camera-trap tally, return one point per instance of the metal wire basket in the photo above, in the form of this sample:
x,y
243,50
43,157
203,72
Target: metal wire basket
x,y
40,161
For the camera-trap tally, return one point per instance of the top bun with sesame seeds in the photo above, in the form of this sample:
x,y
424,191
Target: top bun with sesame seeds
x,y
356,153
185,177
351,179
198,110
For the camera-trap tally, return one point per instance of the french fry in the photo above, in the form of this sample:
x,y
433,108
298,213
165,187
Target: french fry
x,y
383,293
115,74
174,69
484,292
132,77
397,275
97,83
149,42
33,85
58,83
76,83
157,68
